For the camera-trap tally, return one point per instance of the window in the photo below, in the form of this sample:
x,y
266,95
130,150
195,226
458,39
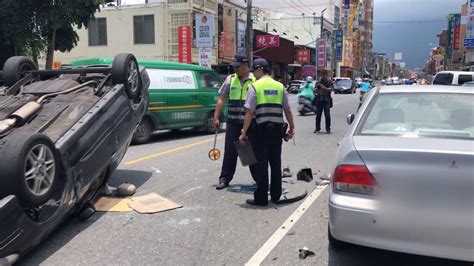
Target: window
x,y
464,78
443,79
209,80
144,29
421,115
98,31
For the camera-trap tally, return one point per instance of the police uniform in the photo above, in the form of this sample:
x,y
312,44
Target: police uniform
x,y
235,90
267,98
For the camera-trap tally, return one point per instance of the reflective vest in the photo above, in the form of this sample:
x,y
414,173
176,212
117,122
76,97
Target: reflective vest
x,y
237,97
269,93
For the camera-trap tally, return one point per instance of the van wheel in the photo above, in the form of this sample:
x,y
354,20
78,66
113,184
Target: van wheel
x,y
143,133
209,127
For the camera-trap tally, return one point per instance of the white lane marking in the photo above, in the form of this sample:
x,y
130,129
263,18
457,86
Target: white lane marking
x,y
192,189
281,232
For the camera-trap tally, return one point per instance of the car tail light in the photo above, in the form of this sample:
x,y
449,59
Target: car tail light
x,y
354,179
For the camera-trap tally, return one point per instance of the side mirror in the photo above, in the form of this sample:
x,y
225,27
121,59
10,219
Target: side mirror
x,y
350,118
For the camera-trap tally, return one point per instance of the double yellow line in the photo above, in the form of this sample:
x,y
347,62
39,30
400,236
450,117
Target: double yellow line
x,y
151,156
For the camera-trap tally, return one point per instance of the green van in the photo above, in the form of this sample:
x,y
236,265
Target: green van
x,y
181,96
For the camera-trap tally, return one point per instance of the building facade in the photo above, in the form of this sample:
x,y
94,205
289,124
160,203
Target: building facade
x,y
150,31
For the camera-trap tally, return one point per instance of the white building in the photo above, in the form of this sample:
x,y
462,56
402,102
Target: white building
x,y
150,31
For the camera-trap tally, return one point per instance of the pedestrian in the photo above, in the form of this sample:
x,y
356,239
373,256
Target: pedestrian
x,y
234,90
268,100
323,101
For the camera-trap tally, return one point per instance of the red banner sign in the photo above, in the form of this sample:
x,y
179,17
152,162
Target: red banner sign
x,y
268,41
184,44
303,56
457,33
321,52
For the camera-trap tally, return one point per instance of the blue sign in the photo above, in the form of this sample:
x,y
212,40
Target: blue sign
x,y
339,45
468,43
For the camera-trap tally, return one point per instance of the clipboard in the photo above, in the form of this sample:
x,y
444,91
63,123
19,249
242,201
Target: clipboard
x,y
245,151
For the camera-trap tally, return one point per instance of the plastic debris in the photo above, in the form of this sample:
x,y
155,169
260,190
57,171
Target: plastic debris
x,y
128,219
305,252
305,174
286,172
322,182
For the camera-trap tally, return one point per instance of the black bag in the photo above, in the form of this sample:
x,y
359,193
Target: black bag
x,y
330,102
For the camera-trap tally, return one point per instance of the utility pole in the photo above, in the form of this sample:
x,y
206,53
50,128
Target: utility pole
x,y
248,32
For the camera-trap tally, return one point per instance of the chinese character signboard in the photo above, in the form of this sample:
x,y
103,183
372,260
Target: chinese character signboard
x,y
267,41
339,45
226,49
204,30
321,50
184,44
205,56
457,33
241,37
303,56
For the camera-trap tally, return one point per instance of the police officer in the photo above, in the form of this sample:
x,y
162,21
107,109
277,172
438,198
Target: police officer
x,y
267,99
235,90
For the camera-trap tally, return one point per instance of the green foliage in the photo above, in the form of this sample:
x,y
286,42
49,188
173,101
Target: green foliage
x,y
27,27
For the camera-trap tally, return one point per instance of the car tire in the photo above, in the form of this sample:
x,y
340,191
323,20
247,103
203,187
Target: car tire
x,y
143,133
334,243
30,168
125,71
15,68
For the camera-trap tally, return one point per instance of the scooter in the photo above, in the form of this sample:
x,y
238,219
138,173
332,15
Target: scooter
x,y
305,105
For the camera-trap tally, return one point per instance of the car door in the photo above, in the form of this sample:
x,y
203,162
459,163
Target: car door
x,y
209,83
180,87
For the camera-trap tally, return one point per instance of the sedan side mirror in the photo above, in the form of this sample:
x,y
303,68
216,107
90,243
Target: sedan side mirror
x,y
350,118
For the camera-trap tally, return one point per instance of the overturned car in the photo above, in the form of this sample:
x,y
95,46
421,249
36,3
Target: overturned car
x,y
62,134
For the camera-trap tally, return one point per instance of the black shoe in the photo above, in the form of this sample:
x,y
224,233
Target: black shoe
x,y
254,203
316,131
328,131
222,185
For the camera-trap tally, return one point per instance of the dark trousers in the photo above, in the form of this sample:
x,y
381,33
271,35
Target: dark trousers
x,y
267,148
320,107
229,164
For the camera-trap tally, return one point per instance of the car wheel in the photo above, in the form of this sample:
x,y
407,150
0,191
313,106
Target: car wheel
x,y
334,243
29,168
15,68
125,71
143,133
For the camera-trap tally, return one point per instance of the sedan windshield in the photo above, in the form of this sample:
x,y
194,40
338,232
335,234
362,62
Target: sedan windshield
x,y
421,114
345,83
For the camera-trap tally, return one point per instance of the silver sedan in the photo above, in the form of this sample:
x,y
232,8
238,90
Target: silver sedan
x,y
404,179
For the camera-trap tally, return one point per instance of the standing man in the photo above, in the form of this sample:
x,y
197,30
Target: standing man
x,y
235,90
268,100
323,101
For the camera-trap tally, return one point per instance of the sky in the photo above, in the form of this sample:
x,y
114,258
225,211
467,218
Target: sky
x,y
411,38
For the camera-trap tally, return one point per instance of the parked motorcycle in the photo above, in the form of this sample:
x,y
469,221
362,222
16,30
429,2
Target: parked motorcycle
x,y
305,105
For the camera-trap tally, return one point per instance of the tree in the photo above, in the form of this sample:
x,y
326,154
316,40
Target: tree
x,y
33,27
57,19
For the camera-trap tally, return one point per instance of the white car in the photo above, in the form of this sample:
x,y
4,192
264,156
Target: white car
x,y
453,77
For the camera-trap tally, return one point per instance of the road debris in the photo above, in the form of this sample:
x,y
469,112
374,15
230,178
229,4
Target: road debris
x,y
305,252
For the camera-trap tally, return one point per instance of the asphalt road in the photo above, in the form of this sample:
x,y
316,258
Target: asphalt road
x,y
216,227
